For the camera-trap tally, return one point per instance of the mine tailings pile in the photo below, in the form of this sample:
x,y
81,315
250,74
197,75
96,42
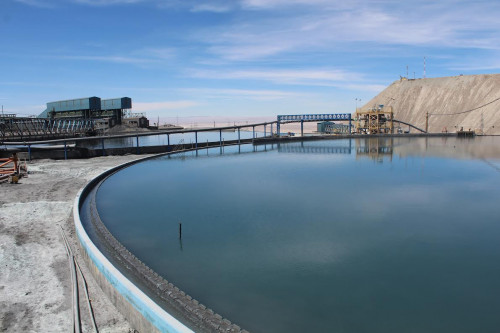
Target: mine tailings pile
x,y
448,104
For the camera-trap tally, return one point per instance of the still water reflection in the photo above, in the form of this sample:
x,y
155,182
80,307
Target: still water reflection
x,y
365,235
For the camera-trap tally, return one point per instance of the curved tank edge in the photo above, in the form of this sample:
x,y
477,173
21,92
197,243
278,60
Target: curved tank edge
x,y
136,306
133,303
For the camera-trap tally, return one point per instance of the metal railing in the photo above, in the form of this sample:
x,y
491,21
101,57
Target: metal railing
x,y
65,141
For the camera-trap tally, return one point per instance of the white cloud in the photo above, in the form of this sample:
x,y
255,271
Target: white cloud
x,y
157,53
374,88
306,77
142,56
242,93
114,59
475,66
349,27
214,8
53,3
272,4
38,3
159,106
107,2
25,110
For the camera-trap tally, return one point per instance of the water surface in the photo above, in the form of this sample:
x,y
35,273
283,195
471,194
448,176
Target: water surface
x,y
361,235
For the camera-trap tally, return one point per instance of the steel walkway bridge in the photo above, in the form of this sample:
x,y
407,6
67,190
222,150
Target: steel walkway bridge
x,y
30,129
302,118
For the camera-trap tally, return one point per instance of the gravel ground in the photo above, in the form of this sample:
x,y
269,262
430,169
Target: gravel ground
x,y
35,282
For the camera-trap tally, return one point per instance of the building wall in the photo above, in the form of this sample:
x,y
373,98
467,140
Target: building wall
x,y
88,103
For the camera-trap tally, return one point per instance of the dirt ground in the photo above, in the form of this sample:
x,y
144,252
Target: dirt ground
x,y
35,281
455,102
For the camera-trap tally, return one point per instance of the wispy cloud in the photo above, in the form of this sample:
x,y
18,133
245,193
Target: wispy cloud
x,y
474,66
38,3
444,24
107,2
296,77
271,4
55,3
214,8
165,53
241,93
138,57
25,110
373,88
113,59
167,105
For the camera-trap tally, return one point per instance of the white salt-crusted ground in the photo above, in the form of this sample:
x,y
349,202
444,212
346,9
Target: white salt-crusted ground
x,y
35,282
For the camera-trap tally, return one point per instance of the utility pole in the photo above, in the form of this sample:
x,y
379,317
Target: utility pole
x,y
357,100
427,122
482,122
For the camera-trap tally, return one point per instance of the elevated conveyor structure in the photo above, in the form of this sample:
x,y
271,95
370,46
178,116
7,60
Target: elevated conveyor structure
x,y
31,129
302,118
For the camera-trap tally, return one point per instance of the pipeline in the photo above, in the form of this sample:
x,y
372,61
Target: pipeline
x,y
74,281
74,285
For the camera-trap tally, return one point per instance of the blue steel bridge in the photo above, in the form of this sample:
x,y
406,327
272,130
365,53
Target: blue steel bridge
x,y
304,118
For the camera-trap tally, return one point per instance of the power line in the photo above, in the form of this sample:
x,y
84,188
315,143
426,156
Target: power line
x,y
451,114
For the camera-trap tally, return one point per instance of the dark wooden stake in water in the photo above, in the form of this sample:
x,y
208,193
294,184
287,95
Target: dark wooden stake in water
x,y
180,230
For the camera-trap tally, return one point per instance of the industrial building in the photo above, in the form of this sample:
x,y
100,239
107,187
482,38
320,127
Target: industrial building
x,y
141,122
89,108
376,120
329,127
72,118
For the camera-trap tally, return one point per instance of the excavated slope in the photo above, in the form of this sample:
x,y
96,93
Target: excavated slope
x,y
412,99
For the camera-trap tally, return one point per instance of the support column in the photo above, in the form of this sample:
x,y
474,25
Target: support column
x,y
301,128
196,140
137,142
65,151
238,135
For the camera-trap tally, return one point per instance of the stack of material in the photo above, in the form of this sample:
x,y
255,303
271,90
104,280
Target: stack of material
x,y
470,102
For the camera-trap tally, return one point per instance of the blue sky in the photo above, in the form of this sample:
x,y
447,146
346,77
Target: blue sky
x,y
253,58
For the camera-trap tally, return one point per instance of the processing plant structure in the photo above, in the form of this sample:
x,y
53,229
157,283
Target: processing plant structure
x,y
88,108
71,118
376,120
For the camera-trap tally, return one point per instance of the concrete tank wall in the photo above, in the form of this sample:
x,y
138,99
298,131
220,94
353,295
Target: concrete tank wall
x,y
142,312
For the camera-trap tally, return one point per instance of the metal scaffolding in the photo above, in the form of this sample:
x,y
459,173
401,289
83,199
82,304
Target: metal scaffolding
x,y
30,128
377,120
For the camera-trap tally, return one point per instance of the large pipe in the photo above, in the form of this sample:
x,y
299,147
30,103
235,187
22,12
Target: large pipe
x,y
74,286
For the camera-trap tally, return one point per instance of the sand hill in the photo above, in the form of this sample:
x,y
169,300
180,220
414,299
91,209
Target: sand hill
x,y
447,100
